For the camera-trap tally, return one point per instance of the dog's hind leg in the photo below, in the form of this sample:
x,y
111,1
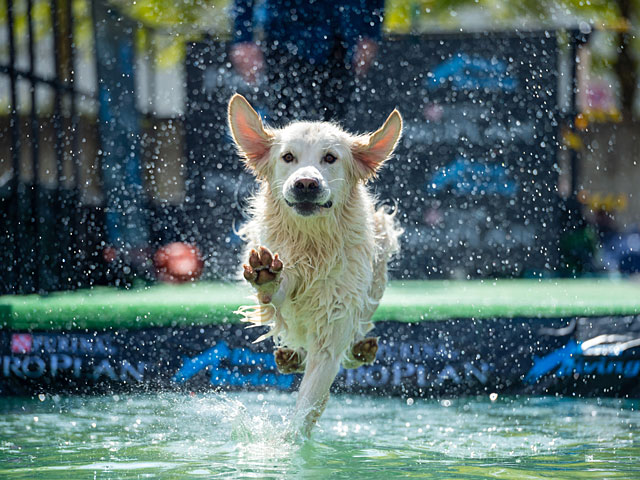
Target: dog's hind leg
x,y
362,352
290,361
321,370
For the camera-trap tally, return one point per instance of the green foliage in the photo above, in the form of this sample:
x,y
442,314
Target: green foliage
x,y
42,23
169,24
418,15
178,16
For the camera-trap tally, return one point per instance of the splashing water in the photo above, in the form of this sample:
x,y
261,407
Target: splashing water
x,y
244,435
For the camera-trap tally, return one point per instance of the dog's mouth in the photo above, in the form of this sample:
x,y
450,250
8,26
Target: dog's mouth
x,y
308,208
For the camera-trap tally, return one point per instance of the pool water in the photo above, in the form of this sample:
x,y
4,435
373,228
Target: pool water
x,y
241,435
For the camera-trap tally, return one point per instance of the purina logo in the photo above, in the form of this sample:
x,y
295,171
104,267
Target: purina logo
x,y
96,345
466,72
21,343
81,355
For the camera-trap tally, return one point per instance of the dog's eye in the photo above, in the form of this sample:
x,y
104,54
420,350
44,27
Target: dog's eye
x,y
328,158
288,157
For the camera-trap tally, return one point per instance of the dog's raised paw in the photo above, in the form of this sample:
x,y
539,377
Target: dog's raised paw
x,y
263,267
288,361
365,350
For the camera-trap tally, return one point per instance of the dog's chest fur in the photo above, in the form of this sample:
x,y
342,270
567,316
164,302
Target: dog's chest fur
x,y
329,264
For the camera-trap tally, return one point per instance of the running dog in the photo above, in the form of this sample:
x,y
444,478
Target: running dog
x,y
320,290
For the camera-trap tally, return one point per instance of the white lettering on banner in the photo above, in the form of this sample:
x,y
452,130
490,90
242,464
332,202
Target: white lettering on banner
x,y
59,365
401,372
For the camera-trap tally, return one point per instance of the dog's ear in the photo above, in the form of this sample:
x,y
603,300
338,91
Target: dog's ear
x,y
249,133
370,152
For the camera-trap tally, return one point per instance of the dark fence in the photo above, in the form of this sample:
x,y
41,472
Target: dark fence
x,y
73,208
50,233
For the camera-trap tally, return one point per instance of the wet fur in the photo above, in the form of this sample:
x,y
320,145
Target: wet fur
x,y
335,269
335,264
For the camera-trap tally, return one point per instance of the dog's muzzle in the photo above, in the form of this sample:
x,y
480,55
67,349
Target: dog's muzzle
x,y
307,196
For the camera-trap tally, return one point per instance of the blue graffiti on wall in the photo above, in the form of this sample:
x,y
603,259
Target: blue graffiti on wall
x,y
235,367
465,177
464,71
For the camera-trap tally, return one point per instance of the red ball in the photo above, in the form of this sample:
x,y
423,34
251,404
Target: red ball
x,y
109,254
178,262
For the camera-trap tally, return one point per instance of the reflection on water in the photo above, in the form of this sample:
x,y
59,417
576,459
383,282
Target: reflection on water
x,y
243,435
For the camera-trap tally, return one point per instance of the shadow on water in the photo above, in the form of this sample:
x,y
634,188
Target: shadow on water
x,y
244,435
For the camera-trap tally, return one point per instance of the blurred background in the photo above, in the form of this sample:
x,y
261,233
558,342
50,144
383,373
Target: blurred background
x,y
519,157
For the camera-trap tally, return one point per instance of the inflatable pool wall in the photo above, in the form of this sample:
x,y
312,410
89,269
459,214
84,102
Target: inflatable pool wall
x,y
584,356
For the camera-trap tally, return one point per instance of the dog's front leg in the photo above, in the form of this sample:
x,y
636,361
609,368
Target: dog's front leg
x,y
264,272
321,371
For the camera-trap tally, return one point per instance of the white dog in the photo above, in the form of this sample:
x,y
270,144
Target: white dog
x,y
319,292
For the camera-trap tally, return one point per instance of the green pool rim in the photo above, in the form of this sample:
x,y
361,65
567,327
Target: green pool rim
x,y
404,301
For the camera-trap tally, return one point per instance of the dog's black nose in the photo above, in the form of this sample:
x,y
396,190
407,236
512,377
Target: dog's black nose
x,y
306,185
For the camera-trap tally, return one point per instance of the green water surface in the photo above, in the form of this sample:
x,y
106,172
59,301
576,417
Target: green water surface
x,y
240,435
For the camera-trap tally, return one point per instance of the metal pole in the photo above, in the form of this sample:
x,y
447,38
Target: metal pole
x,y
59,231
576,38
35,157
573,157
15,224
78,250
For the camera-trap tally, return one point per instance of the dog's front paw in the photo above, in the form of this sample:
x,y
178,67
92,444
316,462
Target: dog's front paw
x,y
263,272
365,350
288,361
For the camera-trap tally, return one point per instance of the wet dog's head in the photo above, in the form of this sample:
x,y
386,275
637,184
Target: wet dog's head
x,y
310,166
